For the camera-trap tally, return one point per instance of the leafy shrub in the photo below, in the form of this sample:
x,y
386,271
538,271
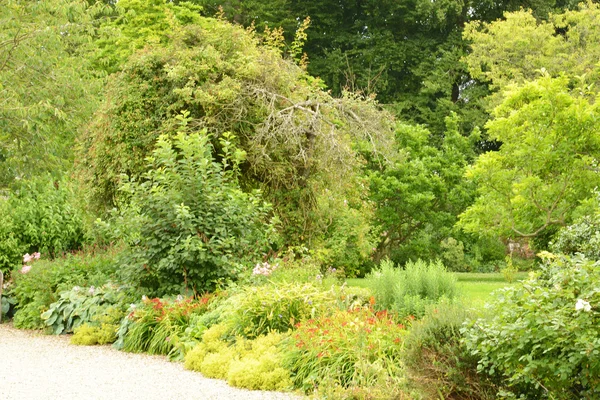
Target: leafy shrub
x,y
85,335
453,255
260,366
440,364
203,356
89,335
34,291
101,330
581,237
84,305
409,291
40,215
197,227
542,335
358,347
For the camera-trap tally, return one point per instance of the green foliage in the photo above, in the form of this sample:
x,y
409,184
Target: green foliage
x,y
213,355
347,349
583,236
514,49
545,168
259,310
410,291
510,270
195,226
297,138
453,255
34,291
418,198
541,336
438,360
103,328
156,326
39,215
251,364
260,367
46,87
85,335
136,24
83,305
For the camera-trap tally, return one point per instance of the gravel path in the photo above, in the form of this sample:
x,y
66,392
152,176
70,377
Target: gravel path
x,y
35,366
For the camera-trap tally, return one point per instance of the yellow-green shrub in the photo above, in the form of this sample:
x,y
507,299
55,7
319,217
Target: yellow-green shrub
x,y
85,335
211,343
251,364
261,366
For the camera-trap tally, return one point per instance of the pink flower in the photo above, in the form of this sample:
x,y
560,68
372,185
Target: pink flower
x,y
36,256
27,258
25,269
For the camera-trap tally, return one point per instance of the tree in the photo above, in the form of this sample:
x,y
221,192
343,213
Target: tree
x,y
300,142
418,199
514,50
408,52
546,167
46,90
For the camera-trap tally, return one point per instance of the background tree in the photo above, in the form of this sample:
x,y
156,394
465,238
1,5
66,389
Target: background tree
x,y
408,52
546,167
418,199
46,91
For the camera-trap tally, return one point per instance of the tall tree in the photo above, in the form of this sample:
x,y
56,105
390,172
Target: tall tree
x,y
546,167
46,92
408,52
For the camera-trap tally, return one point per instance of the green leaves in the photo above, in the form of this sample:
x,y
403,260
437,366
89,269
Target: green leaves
x,y
546,166
541,336
194,225
47,91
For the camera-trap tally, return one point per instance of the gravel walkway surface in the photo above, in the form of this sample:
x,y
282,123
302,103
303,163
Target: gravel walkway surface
x,y
35,366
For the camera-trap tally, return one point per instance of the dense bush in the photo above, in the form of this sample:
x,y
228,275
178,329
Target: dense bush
x,y
542,335
258,310
581,237
301,142
35,290
40,215
195,227
408,291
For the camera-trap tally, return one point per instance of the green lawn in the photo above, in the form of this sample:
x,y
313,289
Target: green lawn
x,y
475,287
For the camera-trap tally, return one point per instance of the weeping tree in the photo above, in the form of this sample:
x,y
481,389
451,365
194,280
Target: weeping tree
x,y
303,147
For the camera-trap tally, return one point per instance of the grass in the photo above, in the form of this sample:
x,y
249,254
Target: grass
x,y
476,288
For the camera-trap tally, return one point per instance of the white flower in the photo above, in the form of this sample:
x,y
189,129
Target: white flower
x,y
144,298
92,290
582,305
132,306
179,297
76,289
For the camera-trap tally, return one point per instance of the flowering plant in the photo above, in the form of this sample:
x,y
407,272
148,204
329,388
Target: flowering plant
x,y
29,258
356,347
265,269
155,325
